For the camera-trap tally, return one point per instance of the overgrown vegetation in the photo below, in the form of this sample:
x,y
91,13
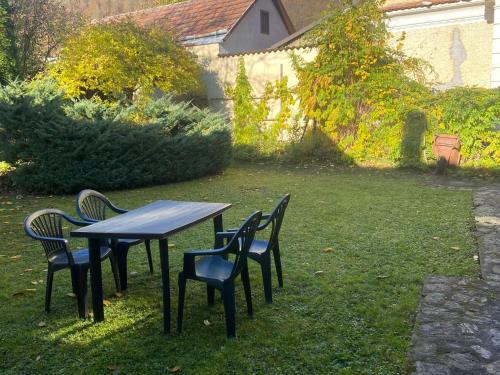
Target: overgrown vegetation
x,y
60,146
474,115
122,60
255,136
361,100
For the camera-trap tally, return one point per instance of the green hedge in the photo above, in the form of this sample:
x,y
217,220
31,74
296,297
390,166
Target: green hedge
x,y
473,114
56,148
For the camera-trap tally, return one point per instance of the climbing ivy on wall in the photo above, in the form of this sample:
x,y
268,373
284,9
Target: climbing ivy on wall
x,y
254,135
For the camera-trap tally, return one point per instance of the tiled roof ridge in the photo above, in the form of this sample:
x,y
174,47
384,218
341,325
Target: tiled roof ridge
x,y
418,4
145,10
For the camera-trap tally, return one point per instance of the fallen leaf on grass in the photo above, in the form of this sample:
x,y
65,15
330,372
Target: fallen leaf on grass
x,y
106,302
72,295
22,293
382,276
15,257
171,245
38,357
28,270
34,282
318,273
206,322
175,369
455,248
328,250
42,324
435,238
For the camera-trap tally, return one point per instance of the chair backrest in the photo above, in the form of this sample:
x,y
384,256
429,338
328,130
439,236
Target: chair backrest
x,y
92,205
242,240
45,226
276,219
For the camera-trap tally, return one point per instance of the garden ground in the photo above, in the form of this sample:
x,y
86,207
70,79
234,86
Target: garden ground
x,y
356,247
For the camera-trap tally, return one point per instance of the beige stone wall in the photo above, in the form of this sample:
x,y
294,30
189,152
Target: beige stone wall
x,y
261,68
459,54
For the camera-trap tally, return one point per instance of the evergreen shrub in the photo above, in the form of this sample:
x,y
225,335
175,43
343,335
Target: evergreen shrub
x,y
59,146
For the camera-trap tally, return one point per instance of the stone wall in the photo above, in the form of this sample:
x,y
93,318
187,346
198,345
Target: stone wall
x,y
459,54
220,71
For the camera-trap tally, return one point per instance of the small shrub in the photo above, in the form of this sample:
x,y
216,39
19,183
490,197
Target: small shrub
x,y
315,146
412,143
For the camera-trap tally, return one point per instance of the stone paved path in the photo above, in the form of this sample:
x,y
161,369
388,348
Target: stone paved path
x,y
457,329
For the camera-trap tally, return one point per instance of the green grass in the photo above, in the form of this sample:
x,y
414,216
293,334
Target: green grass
x,y
355,317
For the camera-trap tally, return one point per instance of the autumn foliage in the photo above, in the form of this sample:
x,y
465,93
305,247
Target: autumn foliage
x,y
123,60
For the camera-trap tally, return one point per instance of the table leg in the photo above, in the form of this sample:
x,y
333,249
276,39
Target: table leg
x,y
218,227
165,278
96,278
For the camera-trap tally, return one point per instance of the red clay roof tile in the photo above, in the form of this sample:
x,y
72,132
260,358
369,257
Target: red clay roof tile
x,y
415,4
191,18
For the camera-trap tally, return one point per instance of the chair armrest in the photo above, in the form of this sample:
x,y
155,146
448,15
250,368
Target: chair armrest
x,y
226,235
118,210
51,239
79,223
264,225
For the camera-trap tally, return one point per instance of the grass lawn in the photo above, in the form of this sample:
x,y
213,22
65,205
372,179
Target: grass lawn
x,y
374,235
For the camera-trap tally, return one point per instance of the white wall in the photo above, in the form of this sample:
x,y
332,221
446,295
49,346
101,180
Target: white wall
x,y
455,39
246,35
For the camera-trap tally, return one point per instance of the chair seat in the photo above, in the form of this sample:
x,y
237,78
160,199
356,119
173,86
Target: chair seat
x,y
258,247
213,268
80,257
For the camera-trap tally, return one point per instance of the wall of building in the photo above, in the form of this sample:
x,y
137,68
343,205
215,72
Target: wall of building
x,y
246,36
455,39
304,12
459,54
459,51
220,71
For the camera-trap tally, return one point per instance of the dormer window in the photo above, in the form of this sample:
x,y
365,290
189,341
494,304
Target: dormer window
x,y
264,22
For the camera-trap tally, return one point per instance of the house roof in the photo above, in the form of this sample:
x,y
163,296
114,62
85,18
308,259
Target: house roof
x,y
192,19
296,35
394,5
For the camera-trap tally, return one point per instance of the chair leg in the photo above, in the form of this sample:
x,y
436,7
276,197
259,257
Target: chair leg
x,y
182,295
246,285
229,308
210,295
74,281
265,265
277,262
48,289
114,269
148,251
121,253
80,275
